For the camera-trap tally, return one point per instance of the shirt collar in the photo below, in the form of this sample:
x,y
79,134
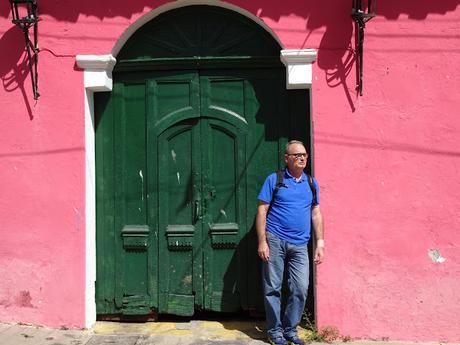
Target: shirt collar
x,y
288,174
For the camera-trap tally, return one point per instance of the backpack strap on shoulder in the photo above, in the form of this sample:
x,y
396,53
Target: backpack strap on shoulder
x,y
278,185
314,201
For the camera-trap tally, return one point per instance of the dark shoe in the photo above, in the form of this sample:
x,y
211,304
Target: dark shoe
x,y
277,341
295,341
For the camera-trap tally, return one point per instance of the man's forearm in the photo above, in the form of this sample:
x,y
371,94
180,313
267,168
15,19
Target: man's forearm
x,y
318,224
261,222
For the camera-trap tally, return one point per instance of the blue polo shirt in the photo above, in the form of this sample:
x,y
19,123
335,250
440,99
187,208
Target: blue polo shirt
x,y
290,215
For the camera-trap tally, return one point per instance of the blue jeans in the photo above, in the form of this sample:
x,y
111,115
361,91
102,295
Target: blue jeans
x,y
295,259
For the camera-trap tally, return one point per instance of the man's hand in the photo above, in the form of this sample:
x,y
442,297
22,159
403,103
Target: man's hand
x,y
263,251
319,255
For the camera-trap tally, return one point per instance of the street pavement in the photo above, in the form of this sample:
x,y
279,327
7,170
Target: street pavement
x,y
157,333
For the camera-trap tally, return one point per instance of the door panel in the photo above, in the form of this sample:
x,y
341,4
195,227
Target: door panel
x,y
171,97
224,214
225,97
225,276
178,218
132,293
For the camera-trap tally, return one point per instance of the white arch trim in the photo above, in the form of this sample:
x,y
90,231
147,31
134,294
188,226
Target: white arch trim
x,y
98,78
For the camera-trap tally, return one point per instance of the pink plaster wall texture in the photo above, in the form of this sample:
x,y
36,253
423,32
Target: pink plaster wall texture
x,y
387,162
42,203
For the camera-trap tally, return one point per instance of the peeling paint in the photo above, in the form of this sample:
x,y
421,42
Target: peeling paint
x,y
223,213
435,255
178,177
173,155
142,179
187,279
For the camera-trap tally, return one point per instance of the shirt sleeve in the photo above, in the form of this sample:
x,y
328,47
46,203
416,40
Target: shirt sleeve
x,y
266,193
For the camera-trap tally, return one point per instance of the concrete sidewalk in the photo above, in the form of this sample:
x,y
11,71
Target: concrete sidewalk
x,y
159,333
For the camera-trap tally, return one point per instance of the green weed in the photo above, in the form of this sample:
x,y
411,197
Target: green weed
x,y
326,334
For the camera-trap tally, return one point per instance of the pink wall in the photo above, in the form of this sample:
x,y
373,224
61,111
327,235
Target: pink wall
x,y
387,162
42,218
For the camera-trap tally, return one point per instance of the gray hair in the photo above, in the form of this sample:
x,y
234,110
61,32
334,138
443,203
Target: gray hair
x,y
292,142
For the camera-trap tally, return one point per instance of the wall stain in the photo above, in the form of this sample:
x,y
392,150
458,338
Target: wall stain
x,y
5,303
24,300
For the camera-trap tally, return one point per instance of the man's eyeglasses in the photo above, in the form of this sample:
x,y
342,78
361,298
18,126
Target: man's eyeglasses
x,y
298,155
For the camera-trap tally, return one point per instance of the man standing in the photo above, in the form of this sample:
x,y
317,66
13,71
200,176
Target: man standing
x,y
283,231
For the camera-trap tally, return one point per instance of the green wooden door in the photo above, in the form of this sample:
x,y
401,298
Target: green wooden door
x,y
201,195
201,215
183,145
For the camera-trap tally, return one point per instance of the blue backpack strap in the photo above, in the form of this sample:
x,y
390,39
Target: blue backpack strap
x,y
278,185
314,201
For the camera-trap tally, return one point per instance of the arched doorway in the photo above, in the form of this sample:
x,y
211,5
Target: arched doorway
x,y
197,118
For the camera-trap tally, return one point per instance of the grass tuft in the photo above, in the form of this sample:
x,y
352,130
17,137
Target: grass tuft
x,y
327,334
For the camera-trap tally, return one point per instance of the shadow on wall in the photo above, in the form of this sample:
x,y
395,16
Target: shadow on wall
x,y
336,52
14,66
417,10
66,10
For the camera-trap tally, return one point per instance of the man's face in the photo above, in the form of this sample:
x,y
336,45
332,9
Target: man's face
x,y
296,157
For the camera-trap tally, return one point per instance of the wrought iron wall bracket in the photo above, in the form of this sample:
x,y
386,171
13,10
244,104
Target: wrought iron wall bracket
x,y
32,56
25,23
361,18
